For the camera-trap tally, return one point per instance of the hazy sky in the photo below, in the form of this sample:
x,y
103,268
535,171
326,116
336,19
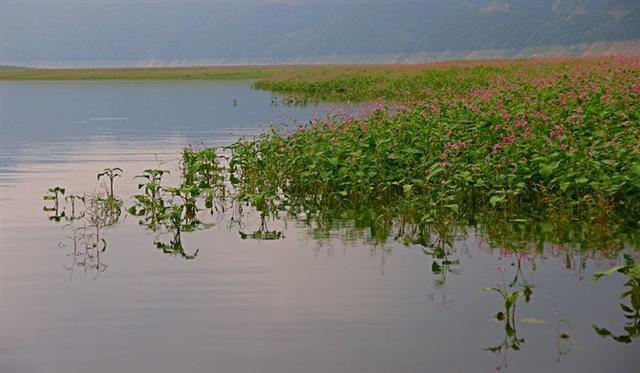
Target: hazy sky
x,y
127,32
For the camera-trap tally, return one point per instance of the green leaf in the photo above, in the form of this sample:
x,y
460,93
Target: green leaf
x,y
453,207
608,272
407,189
494,200
436,268
547,170
601,331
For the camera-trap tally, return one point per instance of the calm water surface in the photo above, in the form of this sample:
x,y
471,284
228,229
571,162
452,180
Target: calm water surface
x,y
300,304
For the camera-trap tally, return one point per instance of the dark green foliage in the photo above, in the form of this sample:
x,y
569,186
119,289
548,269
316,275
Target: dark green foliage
x,y
510,138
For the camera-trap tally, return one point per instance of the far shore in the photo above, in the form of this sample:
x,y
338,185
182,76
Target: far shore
x,y
251,72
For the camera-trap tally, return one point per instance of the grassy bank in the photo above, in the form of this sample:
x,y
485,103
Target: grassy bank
x,y
319,82
273,75
173,73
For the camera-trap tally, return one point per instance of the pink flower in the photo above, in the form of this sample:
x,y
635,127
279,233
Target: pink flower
x,y
557,132
433,107
520,123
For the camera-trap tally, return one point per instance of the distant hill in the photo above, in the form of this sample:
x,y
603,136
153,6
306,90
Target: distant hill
x,y
10,68
112,33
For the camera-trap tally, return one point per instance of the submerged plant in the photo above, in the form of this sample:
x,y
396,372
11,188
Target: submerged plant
x,y
524,154
176,223
111,174
150,204
187,206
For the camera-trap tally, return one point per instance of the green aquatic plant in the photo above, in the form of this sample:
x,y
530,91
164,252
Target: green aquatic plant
x,y
205,169
150,204
102,212
631,310
175,221
502,139
188,197
111,174
526,154
152,182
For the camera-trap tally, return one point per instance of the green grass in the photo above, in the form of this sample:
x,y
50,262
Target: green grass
x,y
319,82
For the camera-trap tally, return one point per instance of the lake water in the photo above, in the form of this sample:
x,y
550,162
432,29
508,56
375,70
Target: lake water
x,y
306,303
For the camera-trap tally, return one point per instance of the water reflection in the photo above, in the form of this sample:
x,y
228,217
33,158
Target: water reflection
x,y
359,279
564,341
203,198
511,292
84,246
86,223
631,310
174,247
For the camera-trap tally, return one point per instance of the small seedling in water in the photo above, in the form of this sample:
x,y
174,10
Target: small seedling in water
x,y
110,173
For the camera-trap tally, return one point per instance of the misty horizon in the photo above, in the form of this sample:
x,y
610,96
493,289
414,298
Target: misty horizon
x,y
117,34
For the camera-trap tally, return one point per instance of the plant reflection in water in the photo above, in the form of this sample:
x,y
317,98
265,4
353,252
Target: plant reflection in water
x,y
631,311
208,192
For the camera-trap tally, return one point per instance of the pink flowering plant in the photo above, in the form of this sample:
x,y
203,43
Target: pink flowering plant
x,y
459,138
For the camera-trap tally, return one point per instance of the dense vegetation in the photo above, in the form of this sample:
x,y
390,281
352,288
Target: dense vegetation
x,y
519,137
524,151
536,158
